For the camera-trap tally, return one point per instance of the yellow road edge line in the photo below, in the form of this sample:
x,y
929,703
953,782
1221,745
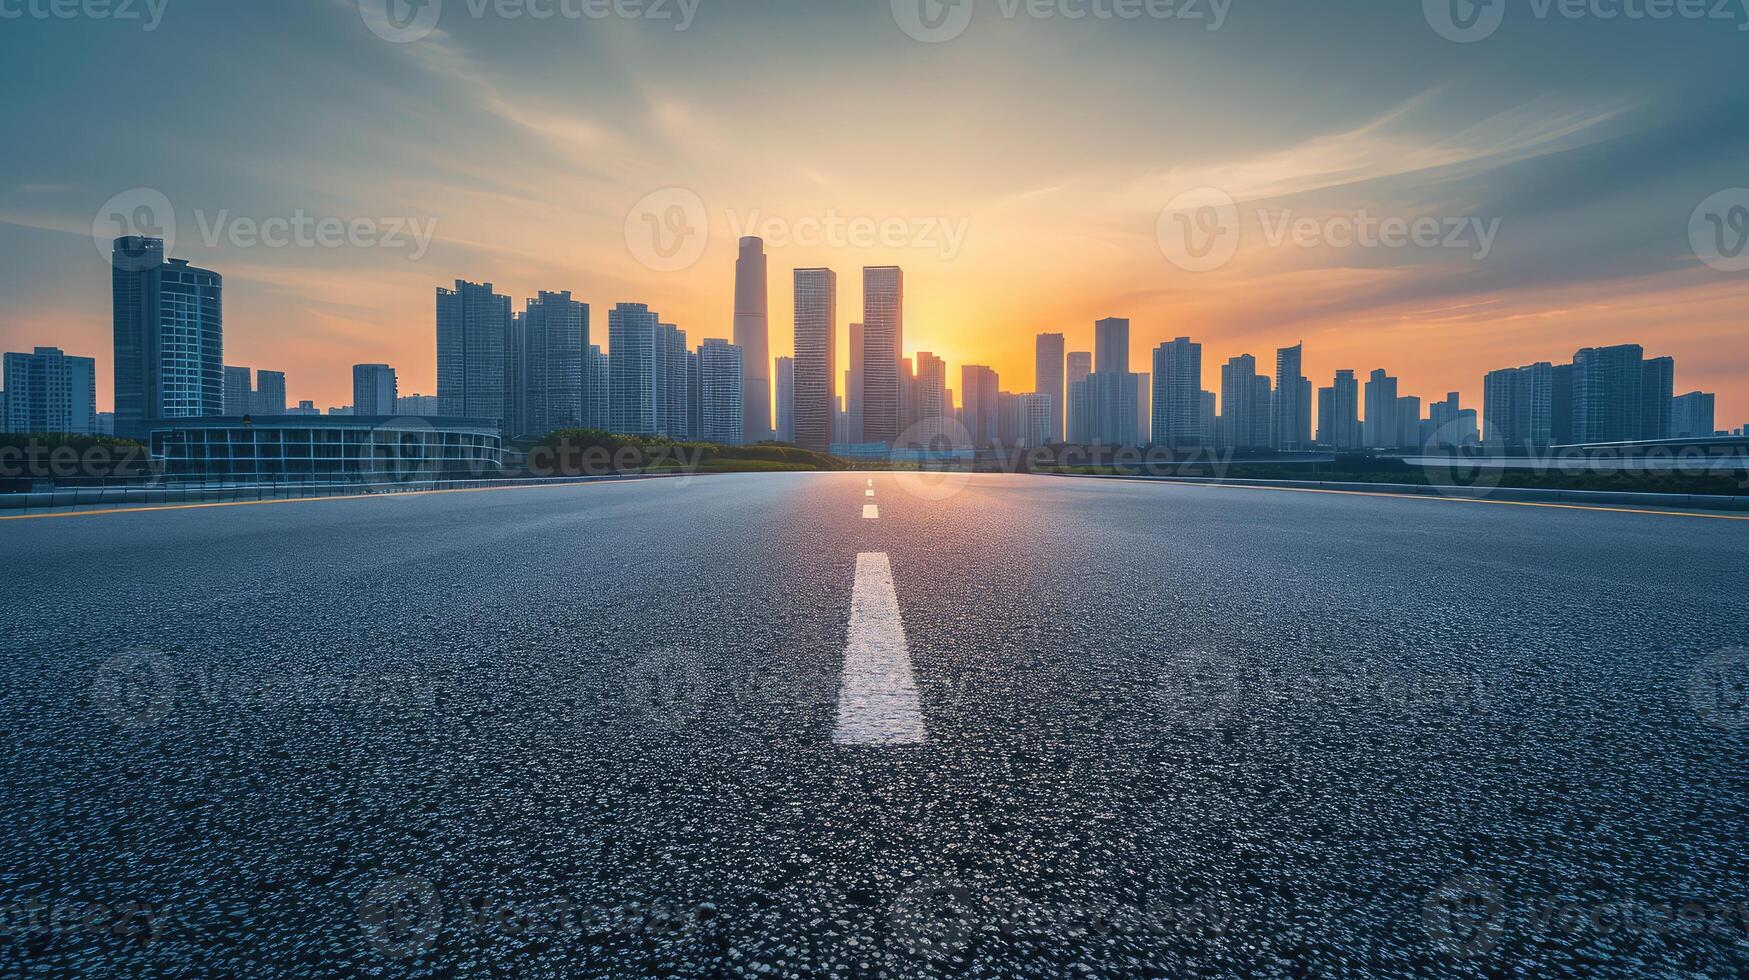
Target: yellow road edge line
x,y
305,500
1436,496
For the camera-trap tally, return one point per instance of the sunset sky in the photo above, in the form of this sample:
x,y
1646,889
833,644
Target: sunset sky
x,y
1054,144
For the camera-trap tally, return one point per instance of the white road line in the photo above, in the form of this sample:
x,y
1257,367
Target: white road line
x,y
870,512
871,482
877,699
868,493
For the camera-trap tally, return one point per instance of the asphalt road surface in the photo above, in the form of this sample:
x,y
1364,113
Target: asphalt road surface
x,y
775,726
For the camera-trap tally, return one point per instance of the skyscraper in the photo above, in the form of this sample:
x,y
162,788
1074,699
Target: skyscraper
x,y
556,335
1245,404
786,399
1078,427
1177,416
816,313
49,392
1291,414
883,343
631,352
598,413
1608,393
1340,427
1691,416
374,389
169,337
753,335
672,416
1111,345
1409,421
475,336
1518,407
269,399
932,401
1048,380
1381,428
853,383
239,389
979,390
1658,387
721,374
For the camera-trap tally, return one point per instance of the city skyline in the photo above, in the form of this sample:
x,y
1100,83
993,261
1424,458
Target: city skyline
x,y
1586,253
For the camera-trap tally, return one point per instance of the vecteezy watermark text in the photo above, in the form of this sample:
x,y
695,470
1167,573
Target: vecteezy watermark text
x,y
405,21
1201,229
139,688
1469,915
303,230
1469,21
667,230
936,21
149,13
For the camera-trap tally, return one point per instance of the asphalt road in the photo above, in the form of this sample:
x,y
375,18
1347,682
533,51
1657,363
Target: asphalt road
x,y
1160,731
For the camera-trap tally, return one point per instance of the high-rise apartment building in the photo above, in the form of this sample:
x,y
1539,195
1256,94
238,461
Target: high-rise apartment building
x,y
853,385
374,389
1177,395
169,337
1291,413
1518,407
1692,416
556,371
1245,404
1609,393
753,335
980,389
721,373
49,392
786,399
599,414
1048,379
672,414
476,344
1078,365
883,336
1381,429
816,318
631,350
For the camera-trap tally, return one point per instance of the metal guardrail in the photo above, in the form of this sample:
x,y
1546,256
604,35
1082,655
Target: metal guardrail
x,y
1606,498
68,500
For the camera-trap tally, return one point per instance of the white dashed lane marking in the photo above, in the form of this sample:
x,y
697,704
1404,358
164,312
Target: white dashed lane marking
x,y
871,512
868,493
877,699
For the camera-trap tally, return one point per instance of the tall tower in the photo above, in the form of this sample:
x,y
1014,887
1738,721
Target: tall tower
x,y
1292,412
1048,380
631,353
853,384
753,336
1177,417
475,343
169,337
816,306
883,341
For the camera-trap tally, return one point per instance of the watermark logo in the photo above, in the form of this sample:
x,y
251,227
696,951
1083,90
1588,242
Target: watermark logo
x,y
142,212
940,234
1464,916
931,480
401,21
135,688
401,917
1718,687
1200,690
666,230
933,21
668,687
1464,21
934,920
1718,230
1199,230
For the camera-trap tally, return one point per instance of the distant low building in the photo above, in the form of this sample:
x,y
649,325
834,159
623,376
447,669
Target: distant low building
x,y
336,448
